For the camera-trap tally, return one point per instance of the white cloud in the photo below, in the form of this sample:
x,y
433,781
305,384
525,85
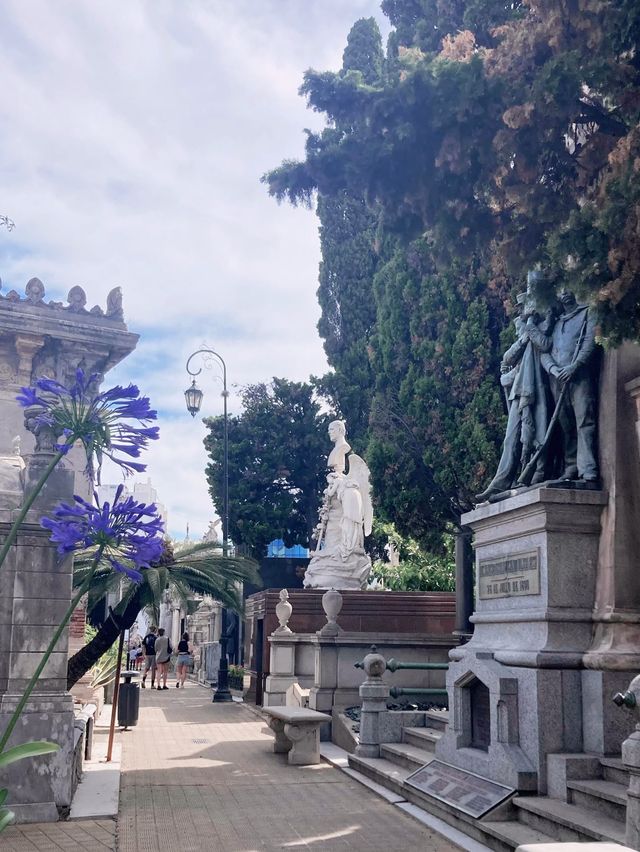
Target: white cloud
x,y
133,141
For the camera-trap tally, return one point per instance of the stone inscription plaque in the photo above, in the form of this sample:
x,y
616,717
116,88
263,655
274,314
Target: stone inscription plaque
x,y
465,791
507,576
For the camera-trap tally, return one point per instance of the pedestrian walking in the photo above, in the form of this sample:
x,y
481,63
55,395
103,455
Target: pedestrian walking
x,y
163,655
132,658
149,648
184,660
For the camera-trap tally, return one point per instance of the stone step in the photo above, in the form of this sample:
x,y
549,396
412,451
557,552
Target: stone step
x,y
425,738
605,797
513,834
613,769
438,719
502,836
389,775
567,822
409,756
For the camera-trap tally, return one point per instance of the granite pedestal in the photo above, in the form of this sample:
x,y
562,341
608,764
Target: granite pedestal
x,y
515,690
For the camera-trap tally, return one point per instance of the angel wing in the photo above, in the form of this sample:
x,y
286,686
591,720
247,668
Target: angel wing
x,y
359,474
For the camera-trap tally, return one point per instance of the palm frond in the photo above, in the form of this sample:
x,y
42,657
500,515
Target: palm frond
x,y
199,569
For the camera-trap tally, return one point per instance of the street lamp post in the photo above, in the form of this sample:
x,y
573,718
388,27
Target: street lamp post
x,y
193,396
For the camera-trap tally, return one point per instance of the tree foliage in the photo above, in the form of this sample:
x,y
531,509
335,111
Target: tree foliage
x,y
516,124
349,260
436,421
495,137
416,570
277,458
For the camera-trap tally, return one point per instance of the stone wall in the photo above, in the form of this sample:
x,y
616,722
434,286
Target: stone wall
x,y
40,338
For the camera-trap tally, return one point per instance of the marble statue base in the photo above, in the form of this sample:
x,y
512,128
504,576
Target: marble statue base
x,y
327,570
518,691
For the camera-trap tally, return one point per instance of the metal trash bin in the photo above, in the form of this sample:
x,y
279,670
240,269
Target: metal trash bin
x,y
128,700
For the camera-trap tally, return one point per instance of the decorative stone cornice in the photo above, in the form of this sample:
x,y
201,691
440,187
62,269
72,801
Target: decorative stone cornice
x,y
34,298
40,338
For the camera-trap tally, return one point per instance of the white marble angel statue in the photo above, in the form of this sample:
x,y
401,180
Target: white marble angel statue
x,y
339,560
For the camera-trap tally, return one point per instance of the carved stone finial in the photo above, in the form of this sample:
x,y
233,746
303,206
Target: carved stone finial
x,y
77,300
35,291
374,665
114,304
331,604
283,612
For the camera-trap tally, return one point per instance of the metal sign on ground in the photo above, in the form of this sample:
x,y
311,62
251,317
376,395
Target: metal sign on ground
x,y
465,791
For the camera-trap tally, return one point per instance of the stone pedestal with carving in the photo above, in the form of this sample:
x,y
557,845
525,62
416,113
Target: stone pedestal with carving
x,y
325,680
282,669
515,690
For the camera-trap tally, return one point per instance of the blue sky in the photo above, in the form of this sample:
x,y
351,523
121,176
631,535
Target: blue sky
x,y
133,139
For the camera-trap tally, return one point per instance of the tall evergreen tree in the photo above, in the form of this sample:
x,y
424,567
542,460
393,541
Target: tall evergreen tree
x,y
437,417
500,135
349,259
345,294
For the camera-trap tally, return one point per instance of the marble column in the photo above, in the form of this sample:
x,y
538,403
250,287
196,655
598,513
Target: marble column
x,y
616,640
464,584
615,646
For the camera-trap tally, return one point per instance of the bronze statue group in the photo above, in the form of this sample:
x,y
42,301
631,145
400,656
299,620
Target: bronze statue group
x,y
549,380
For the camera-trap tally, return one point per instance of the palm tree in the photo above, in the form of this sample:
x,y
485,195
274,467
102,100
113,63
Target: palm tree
x,y
198,569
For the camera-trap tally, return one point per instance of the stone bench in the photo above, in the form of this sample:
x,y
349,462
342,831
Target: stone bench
x,y
297,731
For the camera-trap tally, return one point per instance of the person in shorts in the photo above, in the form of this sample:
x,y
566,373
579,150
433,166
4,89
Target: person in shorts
x,y
184,660
149,649
163,655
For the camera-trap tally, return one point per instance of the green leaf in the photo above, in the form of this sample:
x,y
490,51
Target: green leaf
x,y
3,795
25,750
6,818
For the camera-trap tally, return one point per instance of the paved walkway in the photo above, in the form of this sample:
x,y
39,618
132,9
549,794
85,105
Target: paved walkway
x,y
198,776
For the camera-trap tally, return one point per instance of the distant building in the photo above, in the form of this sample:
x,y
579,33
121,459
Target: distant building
x,y
143,492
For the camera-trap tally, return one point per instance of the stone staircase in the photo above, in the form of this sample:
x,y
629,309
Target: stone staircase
x,y
595,808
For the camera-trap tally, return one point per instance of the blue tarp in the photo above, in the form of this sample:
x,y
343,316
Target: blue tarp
x,y
277,550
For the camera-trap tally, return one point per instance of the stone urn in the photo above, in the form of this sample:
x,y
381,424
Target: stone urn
x,y
283,612
331,604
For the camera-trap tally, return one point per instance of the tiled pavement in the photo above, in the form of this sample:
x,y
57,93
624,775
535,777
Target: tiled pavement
x,y
200,776
84,836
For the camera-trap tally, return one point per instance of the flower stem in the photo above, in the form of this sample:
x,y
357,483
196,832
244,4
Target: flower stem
x,y
28,503
54,641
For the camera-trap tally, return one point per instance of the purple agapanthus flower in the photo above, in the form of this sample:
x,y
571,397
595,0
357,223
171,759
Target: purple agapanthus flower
x,y
113,423
128,533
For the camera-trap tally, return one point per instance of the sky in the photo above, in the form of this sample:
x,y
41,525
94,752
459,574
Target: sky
x,y
133,140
